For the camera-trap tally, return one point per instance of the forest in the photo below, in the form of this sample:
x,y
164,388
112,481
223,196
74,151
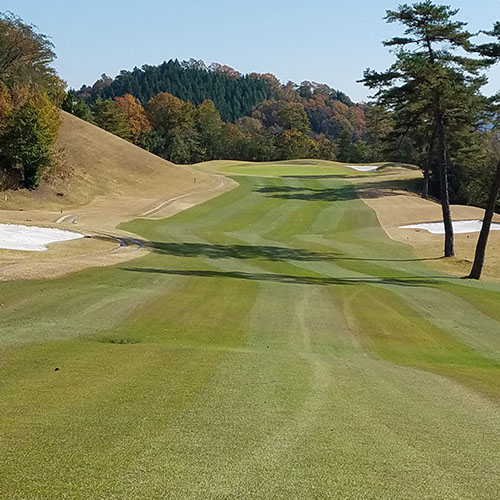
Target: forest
x,y
215,112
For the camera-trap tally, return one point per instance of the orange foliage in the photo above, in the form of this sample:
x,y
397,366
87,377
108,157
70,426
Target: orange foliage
x,y
167,111
358,120
135,113
5,103
225,70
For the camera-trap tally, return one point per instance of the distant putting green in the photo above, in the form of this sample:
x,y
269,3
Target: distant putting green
x,y
312,168
275,343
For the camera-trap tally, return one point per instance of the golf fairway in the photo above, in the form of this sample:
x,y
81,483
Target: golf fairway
x,y
275,344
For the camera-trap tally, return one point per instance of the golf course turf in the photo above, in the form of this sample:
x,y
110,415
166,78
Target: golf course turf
x,y
274,344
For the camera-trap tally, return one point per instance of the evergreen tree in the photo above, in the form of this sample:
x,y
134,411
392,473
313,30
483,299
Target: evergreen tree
x,y
154,142
429,70
234,95
209,128
77,107
345,148
379,124
111,118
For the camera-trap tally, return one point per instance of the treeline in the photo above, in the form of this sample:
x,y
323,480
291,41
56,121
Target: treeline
x,y
183,111
330,112
207,113
30,92
473,147
183,133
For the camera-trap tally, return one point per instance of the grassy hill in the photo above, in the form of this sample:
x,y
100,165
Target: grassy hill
x,y
97,163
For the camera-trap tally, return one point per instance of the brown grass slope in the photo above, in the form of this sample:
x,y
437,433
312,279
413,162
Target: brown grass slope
x,y
97,163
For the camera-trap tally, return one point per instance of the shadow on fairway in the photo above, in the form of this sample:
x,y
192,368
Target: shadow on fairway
x,y
342,193
309,194
296,280
267,252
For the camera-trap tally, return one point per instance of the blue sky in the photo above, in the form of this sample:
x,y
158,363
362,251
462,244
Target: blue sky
x,y
328,41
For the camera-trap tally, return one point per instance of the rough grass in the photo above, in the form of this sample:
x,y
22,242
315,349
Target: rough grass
x,y
284,348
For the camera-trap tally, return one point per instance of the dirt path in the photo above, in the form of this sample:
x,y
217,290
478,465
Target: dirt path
x,y
164,209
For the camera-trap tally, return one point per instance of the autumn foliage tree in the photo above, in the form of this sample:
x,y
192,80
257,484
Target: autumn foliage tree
x,y
136,116
168,112
30,92
26,56
235,95
5,103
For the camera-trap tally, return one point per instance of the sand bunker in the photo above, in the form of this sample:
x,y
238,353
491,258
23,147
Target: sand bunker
x,y
32,238
363,168
459,227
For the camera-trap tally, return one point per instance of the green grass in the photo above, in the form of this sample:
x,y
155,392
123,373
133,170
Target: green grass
x,y
274,344
296,168
291,171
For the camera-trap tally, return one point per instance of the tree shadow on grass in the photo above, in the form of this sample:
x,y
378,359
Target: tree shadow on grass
x,y
266,252
213,251
295,280
342,193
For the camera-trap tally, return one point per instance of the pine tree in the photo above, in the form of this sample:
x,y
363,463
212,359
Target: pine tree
x,y
234,96
379,124
431,75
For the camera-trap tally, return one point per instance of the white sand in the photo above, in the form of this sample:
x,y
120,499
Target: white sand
x,y
363,168
459,227
32,238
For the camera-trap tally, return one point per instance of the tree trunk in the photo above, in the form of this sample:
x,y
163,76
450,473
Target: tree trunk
x,y
449,250
425,185
427,167
477,267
